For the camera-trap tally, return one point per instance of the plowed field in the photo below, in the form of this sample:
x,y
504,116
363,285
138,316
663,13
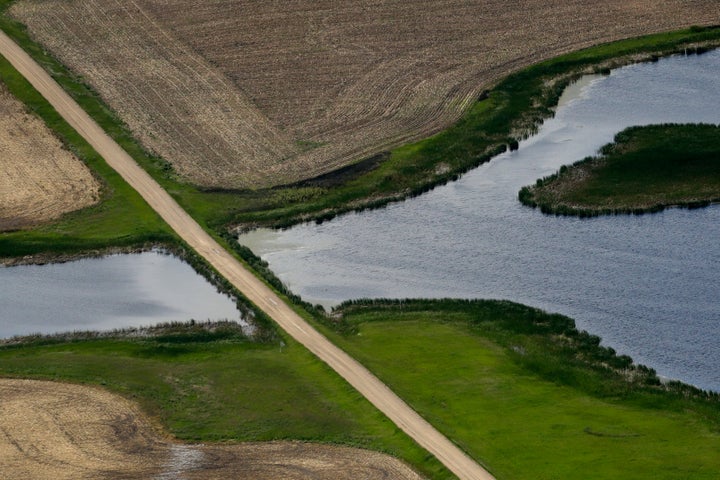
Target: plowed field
x,y
251,93
39,180
59,431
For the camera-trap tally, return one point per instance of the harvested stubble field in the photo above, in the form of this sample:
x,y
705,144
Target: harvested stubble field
x,y
39,179
249,94
62,431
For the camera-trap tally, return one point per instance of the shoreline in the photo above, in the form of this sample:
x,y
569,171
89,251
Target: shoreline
x,y
644,170
520,127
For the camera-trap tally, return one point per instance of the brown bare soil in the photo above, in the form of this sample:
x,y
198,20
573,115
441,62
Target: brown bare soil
x,y
250,93
39,179
60,431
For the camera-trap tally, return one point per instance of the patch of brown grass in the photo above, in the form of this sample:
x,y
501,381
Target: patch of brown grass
x,y
250,93
39,179
60,431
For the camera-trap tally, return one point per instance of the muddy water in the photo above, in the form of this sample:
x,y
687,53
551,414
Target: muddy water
x,y
106,293
649,285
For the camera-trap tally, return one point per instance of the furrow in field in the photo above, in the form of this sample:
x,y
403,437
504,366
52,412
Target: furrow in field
x,y
174,101
246,93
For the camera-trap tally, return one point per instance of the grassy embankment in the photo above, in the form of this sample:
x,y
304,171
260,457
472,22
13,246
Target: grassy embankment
x,y
520,390
645,169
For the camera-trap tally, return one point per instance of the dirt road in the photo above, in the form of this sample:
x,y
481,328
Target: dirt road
x,y
357,375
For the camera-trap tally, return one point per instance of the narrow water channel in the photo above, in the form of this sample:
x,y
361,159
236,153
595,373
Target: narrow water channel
x,y
117,291
649,285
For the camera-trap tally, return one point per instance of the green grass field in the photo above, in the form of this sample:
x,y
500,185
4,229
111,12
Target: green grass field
x,y
532,398
646,169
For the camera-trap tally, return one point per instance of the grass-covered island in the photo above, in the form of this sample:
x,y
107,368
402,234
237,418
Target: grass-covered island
x,y
520,390
645,169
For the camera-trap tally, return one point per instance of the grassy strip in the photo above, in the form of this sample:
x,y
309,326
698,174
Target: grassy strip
x,y
530,395
510,111
212,384
646,169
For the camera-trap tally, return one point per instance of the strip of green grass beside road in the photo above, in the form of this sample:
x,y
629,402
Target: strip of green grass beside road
x,y
645,169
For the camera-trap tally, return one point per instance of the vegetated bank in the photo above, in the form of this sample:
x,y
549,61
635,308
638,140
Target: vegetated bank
x,y
509,112
646,169
530,395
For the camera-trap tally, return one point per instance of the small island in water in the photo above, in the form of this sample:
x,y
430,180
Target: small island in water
x,y
645,169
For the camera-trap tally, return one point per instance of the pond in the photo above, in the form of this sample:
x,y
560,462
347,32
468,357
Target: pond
x,y
116,291
648,285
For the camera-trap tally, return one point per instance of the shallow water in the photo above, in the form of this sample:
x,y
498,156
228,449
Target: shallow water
x,y
117,291
648,285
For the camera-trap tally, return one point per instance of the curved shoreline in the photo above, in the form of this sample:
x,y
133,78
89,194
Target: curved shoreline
x,y
538,87
645,169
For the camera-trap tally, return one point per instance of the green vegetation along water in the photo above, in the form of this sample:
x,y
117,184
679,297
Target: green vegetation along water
x,y
520,390
530,395
646,169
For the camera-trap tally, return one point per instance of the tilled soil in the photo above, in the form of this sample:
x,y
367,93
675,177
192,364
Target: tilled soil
x,y
59,431
39,179
251,93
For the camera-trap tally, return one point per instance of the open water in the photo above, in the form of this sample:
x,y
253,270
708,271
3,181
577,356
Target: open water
x,y
648,285
117,291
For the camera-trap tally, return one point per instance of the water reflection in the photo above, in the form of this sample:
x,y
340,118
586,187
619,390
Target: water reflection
x,y
117,291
